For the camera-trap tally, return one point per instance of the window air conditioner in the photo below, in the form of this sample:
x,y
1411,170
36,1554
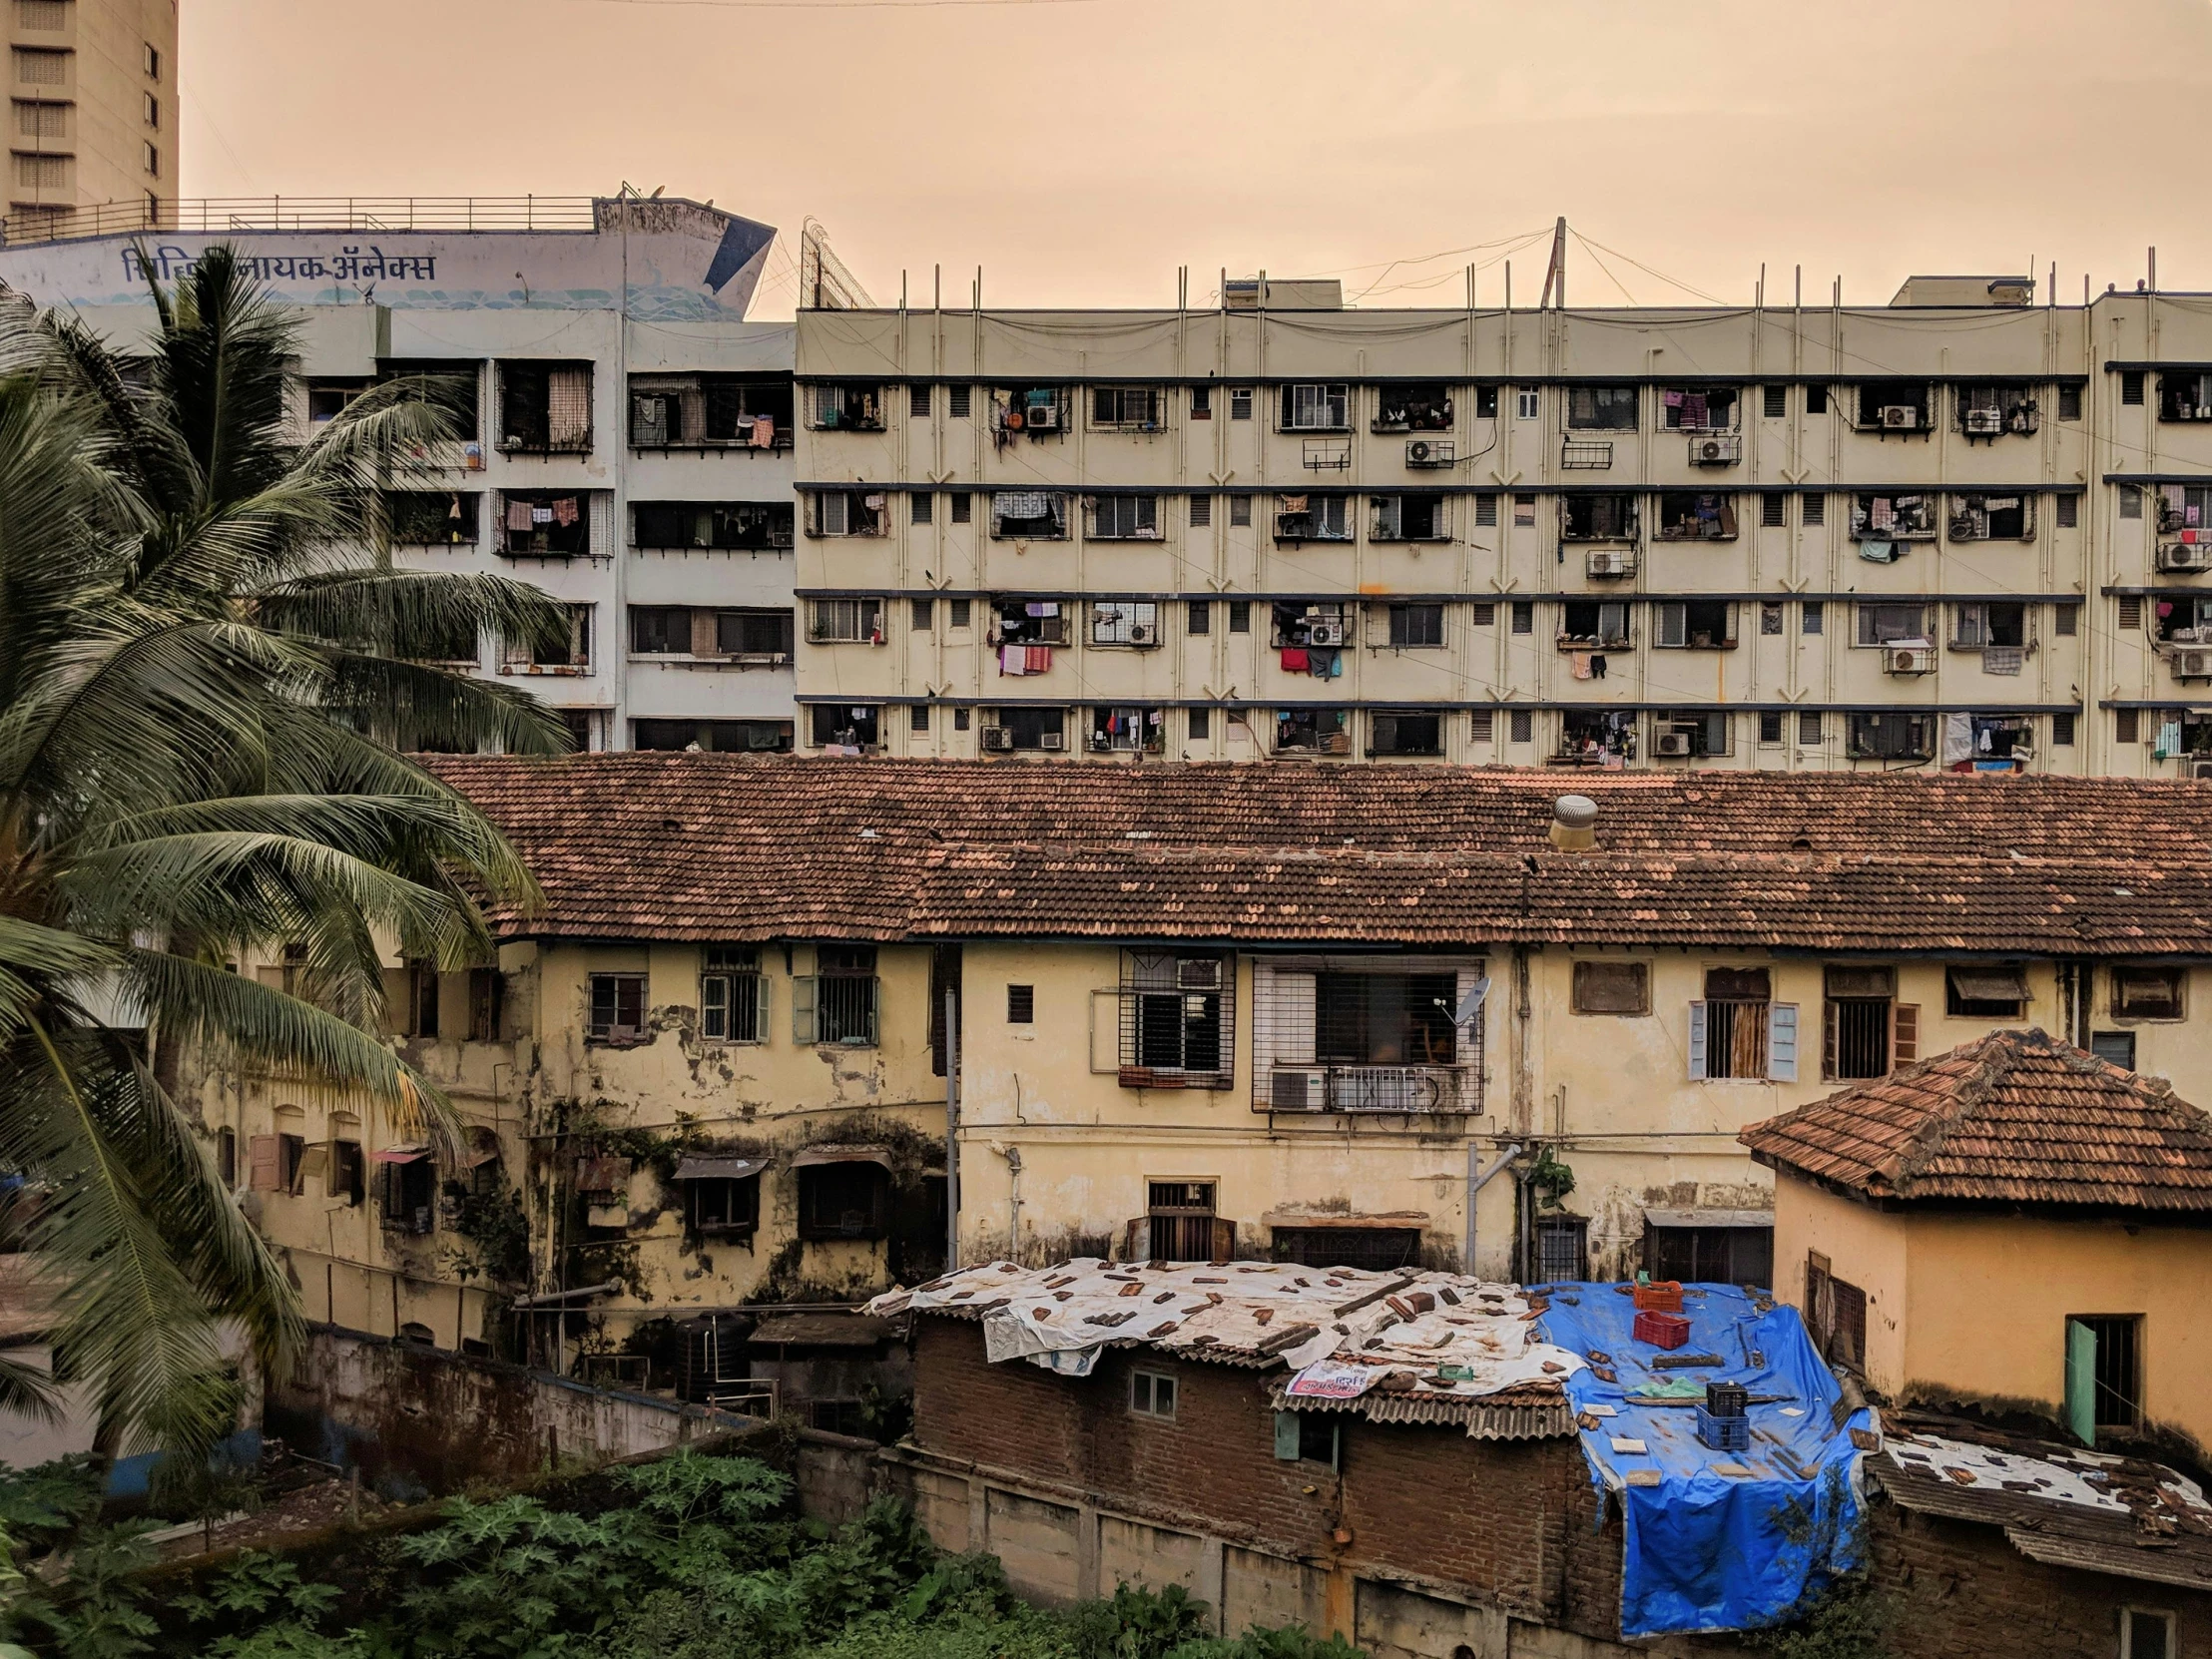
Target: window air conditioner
x,y
1609,562
1430,452
1040,417
1325,633
2182,555
1200,973
1052,740
1901,416
1716,449
2193,665
1297,1091
1908,659
999,737
1984,422
1143,632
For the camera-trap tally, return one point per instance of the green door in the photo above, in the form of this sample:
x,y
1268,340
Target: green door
x,y
2081,1381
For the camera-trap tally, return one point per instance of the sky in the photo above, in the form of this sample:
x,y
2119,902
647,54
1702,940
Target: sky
x,y
1080,151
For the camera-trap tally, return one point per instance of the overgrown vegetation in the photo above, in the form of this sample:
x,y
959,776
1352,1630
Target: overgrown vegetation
x,y
693,1556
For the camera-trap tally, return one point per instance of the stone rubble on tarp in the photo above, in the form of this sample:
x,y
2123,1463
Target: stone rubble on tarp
x,y
1343,1330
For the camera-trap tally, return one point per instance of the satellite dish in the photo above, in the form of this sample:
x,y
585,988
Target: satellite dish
x,y
1471,1004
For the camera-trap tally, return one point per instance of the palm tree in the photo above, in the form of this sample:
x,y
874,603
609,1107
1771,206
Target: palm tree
x,y
200,688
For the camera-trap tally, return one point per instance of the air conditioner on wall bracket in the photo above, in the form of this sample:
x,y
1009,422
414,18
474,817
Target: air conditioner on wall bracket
x,y
1984,422
1671,746
1908,659
1609,562
1303,1089
1899,416
1430,452
2185,556
1325,633
1716,449
2192,665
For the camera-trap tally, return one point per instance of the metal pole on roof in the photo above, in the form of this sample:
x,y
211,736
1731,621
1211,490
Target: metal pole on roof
x,y
951,1129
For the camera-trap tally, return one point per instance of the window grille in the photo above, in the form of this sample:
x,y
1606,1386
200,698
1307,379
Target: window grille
x,y
1125,518
1178,1020
1366,1034
1202,511
956,402
1777,402
1125,621
733,995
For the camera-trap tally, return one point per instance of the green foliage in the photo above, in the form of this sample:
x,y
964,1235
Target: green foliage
x,y
1550,1178
97,1610
1849,1620
496,1224
40,1506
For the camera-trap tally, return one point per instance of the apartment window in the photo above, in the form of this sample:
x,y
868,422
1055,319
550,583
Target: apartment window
x,y
920,614
1770,728
1611,516
2132,611
1312,516
1240,616
718,1205
2069,402
1319,406
1410,519
1125,621
1181,1225
1992,517
1309,1438
1202,511
1890,735
845,408
956,402
42,172
1602,408
1127,408
1525,616
1808,727
1775,402
406,1193
964,508
1419,408
845,725
2132,386
917,402
847,513
961,718
1695,625
616,1009
1770,616
546,407
1021,1005
35,119
836,1004
1978,626
1894,407
919,511
151,62
733,997
1311,730
2125,724
1893,518
1866,1031
710,736
1774,510
432,518
1814,510
557,656
1483,725
1199,616
1405,732
2105,1385
1522,726
150,158
1612,988
2148,993
1986,992
1240,403
2062,730
1125,518
1484,614
712,526
1200,724
422,1012
1485,402
36,68
1528,402
1239,511
1810,616
2068,512
845,621
1739,1031
1485,512
1414,626
1029,515
1886,624
1585,623
1177,1017
1698,408
845,1198
1152,1395
1816,401
917,717
1201,402
1689,1254
2131,501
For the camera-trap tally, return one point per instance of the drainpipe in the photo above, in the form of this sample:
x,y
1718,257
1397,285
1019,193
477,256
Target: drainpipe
x,y
1477,1179
951,1129
1012,1155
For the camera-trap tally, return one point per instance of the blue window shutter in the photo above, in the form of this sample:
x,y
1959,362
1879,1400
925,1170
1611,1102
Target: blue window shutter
x,y
1286,1436
1697,1039
1782,1042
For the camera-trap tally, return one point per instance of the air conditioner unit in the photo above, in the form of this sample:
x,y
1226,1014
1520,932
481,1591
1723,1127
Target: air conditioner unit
x,y
2200,768
1325,633
2182,555
1610,561
1052,740
999,737
1430,452
1040,417
1144,633
1908,659
1299,1091
1198,973
1984,422
1901,416
2193,665
1716,449
1671,744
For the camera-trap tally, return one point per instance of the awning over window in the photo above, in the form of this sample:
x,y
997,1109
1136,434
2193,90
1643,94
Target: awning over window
x,y
402,1154
719,1168
1982,982
842,1155
1708,1218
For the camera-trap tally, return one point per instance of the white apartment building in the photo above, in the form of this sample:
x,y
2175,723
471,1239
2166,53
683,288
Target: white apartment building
x,y
1962,529
627,435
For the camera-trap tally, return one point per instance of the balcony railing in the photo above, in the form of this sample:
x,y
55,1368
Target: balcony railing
x,y
1342,1088
303,213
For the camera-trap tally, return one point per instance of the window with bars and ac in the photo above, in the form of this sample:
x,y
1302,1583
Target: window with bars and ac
x,y
1366,1034
1178,1015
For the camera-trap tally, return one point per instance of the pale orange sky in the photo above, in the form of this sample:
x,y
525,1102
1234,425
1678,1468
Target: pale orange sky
x,y
1080,150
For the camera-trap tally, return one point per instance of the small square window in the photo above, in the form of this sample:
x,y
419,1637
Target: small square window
x,y
1240,616
924,613
2132,386
957,402
1525,616
1201,402
1483,725
2069,512
2146,1634
1774,510
920,500
1485,614
1201,725
917,402
1485,512
2132,611
1524,726
1808,725
1021,1005
917,717
2114,1048
1816,401
1612,988
1201,617
1776,401
1770,727
1528,402
1152,1395
960,612
2069,402
961,719
1202,511
1814,510
1240,510
1812,616
964,508
2131,501
2061,731
1485,402
1240,403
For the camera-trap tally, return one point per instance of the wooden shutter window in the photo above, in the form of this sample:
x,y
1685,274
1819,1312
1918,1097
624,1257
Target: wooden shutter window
x,y
1827,1041
1904,1033
1782,1040
1697,1040
261,1156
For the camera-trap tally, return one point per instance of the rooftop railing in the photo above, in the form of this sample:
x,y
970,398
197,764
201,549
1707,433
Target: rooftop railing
x,y
302,212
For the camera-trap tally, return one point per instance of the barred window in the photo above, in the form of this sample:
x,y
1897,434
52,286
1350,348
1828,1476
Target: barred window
x,y
733,997
1178,1018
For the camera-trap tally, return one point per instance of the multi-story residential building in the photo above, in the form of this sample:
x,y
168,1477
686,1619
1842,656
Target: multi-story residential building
x,y
1961,530
93,121
625,437
1344,1015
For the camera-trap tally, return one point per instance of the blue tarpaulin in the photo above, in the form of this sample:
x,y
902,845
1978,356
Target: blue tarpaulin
x,y
1708,1548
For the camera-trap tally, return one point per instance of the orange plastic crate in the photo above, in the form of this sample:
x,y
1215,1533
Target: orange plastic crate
x,y
1660,1296
1662,1330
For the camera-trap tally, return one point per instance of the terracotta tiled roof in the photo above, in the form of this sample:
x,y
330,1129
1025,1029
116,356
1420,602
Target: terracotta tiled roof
x,y
2017,1118
709,847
